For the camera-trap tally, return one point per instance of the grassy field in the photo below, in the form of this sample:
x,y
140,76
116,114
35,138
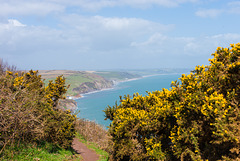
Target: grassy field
x,y
116,76
73,78
75,81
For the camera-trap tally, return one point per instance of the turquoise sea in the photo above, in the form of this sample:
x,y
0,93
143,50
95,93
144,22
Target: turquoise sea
x,y
91,105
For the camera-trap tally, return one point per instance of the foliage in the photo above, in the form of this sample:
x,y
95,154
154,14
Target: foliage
x,y
28,111
4,66
197,119
43,151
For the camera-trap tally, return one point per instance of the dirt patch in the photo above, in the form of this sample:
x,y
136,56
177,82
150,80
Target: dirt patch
x,y
87,154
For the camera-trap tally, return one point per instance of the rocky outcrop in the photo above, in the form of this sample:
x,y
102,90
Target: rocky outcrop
x,y
67,104
93,86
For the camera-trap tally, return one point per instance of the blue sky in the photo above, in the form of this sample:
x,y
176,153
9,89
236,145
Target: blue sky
x,y
115,34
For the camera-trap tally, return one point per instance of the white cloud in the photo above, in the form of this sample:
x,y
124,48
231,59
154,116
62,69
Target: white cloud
x,y
77,35
10,25
131,23
118,33
22,7
208,44
153,40
82,41
190,46
147,3
15,23
44,7
229,8
209,13
234,7
234,3
98,4
116,23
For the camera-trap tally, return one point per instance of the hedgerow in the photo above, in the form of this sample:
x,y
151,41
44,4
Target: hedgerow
x,y
196,119
28,111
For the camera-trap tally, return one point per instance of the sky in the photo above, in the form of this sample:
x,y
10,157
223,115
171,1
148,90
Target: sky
x,y
115,34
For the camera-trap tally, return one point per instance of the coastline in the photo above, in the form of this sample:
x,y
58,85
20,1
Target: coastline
x,y
115,83
96,91
92,105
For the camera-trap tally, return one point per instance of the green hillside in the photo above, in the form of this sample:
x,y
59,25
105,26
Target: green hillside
x,y
87,81
117,76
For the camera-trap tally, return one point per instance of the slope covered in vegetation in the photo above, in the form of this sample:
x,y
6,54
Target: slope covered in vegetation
x,y
28,113
87,81
117,75
197,119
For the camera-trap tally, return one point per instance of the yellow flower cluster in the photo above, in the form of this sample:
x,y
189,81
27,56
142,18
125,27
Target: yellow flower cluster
x,y
18,81
40,119
56,90
154,149
198,115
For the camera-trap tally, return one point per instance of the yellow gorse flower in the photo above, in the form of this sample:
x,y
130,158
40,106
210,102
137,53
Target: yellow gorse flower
x,y
199,111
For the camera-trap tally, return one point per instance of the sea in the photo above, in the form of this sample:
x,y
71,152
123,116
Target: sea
x,y
91,105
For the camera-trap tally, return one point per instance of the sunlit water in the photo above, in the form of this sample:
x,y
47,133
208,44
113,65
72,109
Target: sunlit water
x,y
91,106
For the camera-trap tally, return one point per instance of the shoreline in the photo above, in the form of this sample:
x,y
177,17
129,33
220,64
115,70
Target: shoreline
x,y
115,83
96,91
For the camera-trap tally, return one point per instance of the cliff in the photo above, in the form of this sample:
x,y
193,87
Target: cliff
x,y
67,104
87,81
93,86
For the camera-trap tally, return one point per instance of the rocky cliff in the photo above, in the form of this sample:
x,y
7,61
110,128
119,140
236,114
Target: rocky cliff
x,y
67,104
93,86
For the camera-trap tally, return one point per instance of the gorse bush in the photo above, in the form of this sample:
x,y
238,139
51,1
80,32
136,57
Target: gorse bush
x,y
4,66
197,119
28,111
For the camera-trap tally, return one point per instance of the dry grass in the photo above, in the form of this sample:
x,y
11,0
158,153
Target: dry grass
x,y
95,133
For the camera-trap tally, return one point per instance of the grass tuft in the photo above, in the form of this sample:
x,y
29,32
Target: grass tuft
x,y
42,151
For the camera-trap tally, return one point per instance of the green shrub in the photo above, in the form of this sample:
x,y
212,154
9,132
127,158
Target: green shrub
x,y
197,119
28,111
